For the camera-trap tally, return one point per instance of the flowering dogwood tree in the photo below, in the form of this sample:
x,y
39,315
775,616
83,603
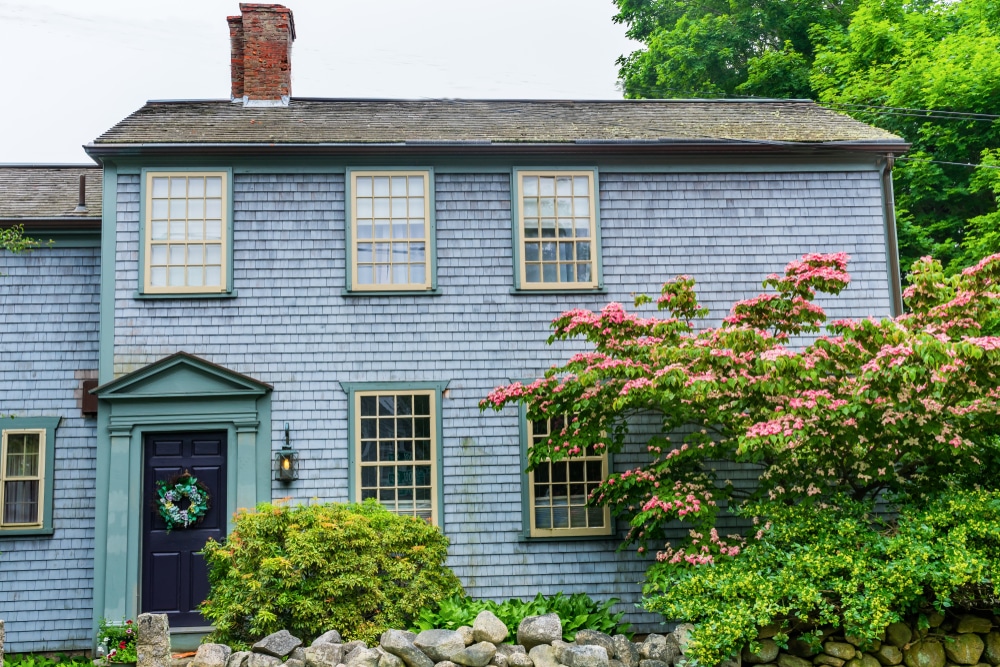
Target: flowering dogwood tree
x,y
901,409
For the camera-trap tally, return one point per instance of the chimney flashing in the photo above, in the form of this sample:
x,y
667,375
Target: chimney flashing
x,y
260,55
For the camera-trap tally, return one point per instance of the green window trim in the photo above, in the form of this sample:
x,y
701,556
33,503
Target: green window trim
x,y
145,289
559,263
355,391
528,533
353,243
46,427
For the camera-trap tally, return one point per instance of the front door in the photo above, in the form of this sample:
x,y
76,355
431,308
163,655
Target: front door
x,y
174,576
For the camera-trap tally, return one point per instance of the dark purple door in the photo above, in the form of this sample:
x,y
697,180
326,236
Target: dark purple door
x,y
174,576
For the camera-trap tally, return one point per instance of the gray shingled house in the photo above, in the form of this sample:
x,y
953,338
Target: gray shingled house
x,y
348,278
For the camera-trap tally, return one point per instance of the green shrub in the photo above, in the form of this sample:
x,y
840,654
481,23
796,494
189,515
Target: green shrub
x,y
32,660
358,569
118,640
577,612
842,567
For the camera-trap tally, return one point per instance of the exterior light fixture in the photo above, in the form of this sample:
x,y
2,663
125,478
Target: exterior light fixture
x,y
286,461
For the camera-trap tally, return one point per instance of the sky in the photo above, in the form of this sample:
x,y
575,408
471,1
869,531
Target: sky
x,y
74,68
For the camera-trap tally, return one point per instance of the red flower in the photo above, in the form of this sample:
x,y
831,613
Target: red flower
x,y
121,645
128,622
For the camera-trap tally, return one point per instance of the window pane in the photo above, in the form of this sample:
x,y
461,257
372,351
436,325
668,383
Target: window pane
x,y
381,207
196,187
160,187
387,476
386,406
196,276
178,187
416,186
213,275
565,227
158,276
422,406
369,476
178,230
386,450
404,405
549,252
196,209
417,229
213,208
547,206
400,230
529,186
213,253
566,252
583,274
543,518
176,254
404,451
364,230
564,185
422,475
20,502
404,475
549,273
364,208
196,254
213,186
398,186
381,186
213,229
382,228
416,207
581,206
368,451
532,273
399,207
175,276
581,185
417,252
365,252
422,450
364,186
159,211
400,274
178,209
196,230
531,252
158,254
564,207
418,274
368,406
548,228
546,186
366,275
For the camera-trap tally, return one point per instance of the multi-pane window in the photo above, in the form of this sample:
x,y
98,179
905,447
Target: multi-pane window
x,y
558,491
396,451
558,230
391,230
186,226
21,478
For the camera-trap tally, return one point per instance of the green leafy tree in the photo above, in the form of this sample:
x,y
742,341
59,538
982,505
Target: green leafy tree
x,y
14,240
905,410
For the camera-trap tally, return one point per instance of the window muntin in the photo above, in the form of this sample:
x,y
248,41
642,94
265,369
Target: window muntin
x,y
391,230
557,229
186,232
558,491
22,476
395,434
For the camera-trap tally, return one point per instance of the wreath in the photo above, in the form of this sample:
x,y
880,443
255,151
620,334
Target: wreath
x,y
182,501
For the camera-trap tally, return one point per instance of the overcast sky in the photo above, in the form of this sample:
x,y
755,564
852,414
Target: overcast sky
x,y
73,68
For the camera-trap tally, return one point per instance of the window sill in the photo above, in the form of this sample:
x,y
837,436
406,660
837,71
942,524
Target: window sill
x,y
186,295
570,538
25,532
409,292
586,290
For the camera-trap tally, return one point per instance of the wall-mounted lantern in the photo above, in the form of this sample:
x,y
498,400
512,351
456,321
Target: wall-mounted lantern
x,y
286,461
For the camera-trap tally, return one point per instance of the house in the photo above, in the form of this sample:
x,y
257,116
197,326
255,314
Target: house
x,y
348,278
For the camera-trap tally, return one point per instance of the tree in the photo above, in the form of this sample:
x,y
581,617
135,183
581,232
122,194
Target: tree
x,y
903,409
14,240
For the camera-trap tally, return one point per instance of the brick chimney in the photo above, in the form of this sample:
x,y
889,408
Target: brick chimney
x,y
260,41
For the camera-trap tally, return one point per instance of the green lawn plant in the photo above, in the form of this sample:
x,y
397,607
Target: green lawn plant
x,y
357,568
119,640
33,660
577,612
902,411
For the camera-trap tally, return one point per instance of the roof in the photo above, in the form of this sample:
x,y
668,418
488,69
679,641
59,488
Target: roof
x,y
353,122
49,192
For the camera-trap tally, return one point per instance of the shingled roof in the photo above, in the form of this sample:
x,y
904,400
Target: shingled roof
x,y
340,122
49,193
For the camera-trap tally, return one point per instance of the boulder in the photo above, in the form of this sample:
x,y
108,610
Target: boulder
x,y
928,653
653,663
596,638
625,651
898,634
935,619
237,659
298,654
466,633
324,655
477,655
537,630
508,650
488,628
586,655
262,660
615,663
439,645
400,644
519,660
278,644
887,654
965,649
829,660
445,663
970,623
658,647
768,631
801,648
767,653
328,637
389,660
364,657
152,643
293,662
351,647
499,660
991,654
786,660
841,650
212,655
682,634
868,660
543,655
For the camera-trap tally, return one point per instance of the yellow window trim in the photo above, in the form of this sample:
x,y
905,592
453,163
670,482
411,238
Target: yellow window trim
x,y
40,476
356,286
432,397
522,261
148,288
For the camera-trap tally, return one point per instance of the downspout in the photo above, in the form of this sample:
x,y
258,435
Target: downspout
x,y
891,238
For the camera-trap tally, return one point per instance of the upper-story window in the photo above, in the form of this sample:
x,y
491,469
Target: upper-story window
x,y
391,230
557,231
22,471
186,245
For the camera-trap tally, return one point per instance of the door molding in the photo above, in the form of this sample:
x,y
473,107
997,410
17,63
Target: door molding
x,y
181,392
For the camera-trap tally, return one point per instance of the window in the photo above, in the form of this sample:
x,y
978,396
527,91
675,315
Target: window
x,y
391,231
396,447
557,230
26,460
186,244
557,492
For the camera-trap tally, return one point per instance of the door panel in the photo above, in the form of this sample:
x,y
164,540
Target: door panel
x,y
174,575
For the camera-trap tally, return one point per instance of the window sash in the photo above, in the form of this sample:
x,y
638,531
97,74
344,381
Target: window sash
x,y
557,230
558,492
390,230
22,484
186,235
395,433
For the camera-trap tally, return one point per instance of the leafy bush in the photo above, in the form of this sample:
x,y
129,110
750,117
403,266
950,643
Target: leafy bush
x,y
359,569
577,612
118,639
32,660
